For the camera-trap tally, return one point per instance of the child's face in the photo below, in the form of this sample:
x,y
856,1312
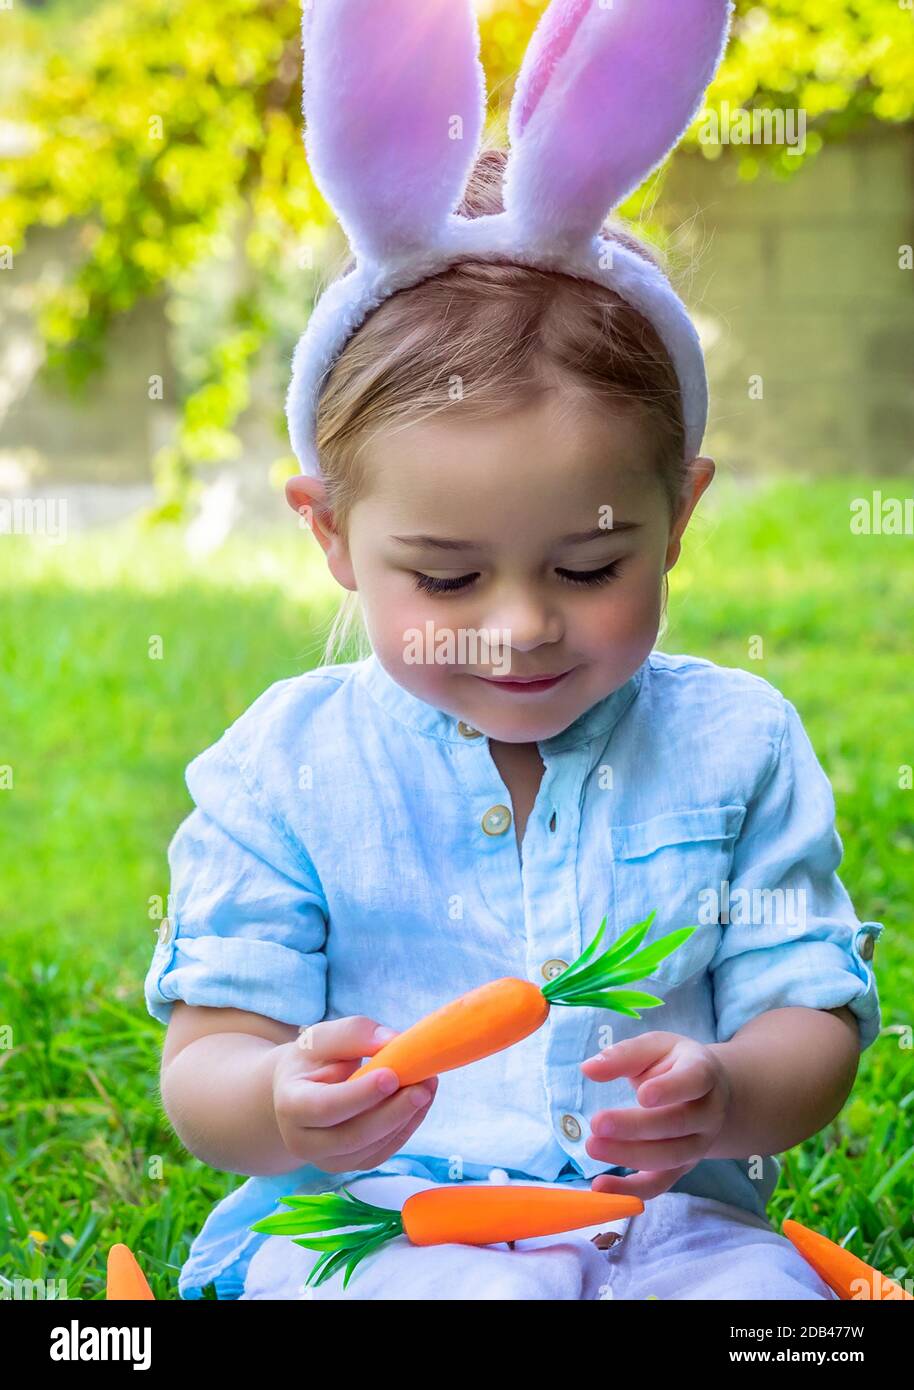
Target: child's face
x,y
511,489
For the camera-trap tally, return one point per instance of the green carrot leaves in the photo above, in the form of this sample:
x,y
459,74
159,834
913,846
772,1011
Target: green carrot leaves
x,y
326,1211
593,979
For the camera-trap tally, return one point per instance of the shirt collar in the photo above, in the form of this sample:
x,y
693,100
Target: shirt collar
x,y
423,718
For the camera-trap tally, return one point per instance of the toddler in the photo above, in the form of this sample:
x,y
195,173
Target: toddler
x,y
505,483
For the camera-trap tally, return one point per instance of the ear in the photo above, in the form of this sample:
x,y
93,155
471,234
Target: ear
x,y
306,495
394,104
700,474
606,90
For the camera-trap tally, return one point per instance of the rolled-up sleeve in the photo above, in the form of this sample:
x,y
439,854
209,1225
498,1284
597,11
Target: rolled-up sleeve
x,y
790,934
247,919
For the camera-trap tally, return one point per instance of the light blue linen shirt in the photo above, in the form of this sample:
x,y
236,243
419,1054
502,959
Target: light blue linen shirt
x,y
340,860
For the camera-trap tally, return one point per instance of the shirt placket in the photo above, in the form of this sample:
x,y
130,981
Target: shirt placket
x,y
492,820
554,936
543,890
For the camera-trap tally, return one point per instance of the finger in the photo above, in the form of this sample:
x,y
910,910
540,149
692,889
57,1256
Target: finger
x,y
335,1038
309,1104
375,1155
378,1126
333,1071
644,1184
373,1127
632,1122
690,1080
668,1063
340,1071
649,1153
370,1158
630,1057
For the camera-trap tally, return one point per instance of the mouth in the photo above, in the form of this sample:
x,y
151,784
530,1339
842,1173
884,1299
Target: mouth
x,y
526,685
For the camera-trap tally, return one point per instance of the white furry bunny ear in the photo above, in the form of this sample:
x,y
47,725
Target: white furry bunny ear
x,y
606,90
394,105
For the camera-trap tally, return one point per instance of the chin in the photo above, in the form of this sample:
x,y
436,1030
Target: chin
x,y
520,728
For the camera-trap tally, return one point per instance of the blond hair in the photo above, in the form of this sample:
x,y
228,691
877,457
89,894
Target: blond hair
x,y
501,329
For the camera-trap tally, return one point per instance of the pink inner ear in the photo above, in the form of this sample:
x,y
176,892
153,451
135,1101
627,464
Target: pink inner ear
x,y
559,28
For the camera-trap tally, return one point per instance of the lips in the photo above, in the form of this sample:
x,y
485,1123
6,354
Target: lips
x,y
525,680
521,683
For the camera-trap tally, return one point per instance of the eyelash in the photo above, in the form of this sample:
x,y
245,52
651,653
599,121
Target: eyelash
x,y
587,578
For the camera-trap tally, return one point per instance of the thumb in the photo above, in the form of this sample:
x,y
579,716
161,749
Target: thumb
x,y
630,1057
342,1039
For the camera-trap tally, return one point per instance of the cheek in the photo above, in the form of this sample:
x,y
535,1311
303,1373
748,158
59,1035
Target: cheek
x,y
390,612
627,611
394,613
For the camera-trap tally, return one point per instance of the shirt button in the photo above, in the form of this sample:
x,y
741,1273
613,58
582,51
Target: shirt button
x,y
467,730
865,945
551,968
496,820
570,1127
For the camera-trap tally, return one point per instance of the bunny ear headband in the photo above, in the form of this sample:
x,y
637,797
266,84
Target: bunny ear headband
x,y
394,102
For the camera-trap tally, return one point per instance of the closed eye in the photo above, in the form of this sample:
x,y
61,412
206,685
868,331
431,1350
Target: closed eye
x,y
428,584
600,576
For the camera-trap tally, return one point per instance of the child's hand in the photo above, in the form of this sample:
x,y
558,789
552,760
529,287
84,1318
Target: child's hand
x,y
342,1128
683,1093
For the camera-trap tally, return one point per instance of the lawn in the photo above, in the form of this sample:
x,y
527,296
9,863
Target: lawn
x,y
121,657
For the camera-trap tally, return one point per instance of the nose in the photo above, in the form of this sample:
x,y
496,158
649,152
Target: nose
x,y
526,620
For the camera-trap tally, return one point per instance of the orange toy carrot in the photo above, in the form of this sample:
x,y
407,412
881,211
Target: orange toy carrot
x,y
126,1281
500,1013
849,1276
439,1216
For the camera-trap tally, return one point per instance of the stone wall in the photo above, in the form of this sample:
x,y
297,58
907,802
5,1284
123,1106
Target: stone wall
x,y
798,282
110,433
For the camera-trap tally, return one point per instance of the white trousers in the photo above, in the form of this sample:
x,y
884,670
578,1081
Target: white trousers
x,y
680,1246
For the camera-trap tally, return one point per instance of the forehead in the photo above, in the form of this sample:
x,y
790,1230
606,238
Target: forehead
x,y
539,467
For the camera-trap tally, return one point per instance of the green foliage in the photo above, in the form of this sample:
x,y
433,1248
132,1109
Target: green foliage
x,y
158,126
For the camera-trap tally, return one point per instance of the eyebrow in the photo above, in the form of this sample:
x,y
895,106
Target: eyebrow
x,y
575,538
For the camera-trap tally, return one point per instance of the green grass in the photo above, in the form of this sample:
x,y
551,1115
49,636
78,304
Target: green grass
x,y
98,736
